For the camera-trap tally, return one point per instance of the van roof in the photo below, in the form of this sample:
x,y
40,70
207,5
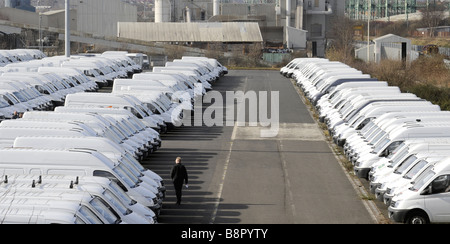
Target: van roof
x,y
53,157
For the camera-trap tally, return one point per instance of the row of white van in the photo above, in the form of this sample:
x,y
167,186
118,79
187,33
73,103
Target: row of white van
x,y
88,152
43,83
397,141
19,55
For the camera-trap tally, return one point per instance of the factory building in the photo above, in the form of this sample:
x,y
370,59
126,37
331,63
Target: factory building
x,y
292,24
20,4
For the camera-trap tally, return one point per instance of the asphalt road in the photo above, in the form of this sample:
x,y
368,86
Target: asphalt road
x,y
237,177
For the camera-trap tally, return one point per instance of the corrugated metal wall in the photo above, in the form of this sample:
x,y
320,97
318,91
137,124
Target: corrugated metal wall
x,y
191,32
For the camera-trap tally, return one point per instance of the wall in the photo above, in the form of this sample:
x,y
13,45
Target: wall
x,y
100,17
54,19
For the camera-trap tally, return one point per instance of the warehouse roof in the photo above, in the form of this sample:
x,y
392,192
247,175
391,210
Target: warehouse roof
x,y
191,32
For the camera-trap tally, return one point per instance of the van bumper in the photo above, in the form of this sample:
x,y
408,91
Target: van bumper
x,y
362,172
397,215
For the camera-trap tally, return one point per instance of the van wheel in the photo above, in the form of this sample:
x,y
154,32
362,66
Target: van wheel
x,y
417,218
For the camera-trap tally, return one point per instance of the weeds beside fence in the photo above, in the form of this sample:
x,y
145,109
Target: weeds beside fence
x,y
428,77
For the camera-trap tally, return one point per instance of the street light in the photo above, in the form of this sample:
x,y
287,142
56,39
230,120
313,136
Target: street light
x,y
67,29
369,13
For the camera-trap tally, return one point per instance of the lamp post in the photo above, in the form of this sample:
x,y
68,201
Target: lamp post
x,y
67,29
369,13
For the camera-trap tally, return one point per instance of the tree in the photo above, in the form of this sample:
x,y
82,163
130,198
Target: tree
x,y
432,18
342,34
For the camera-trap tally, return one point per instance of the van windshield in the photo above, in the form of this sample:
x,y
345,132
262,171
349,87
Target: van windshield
x,y
381,145
19,97
105,210
122,194
89,215
395,152
422,179
405,164
117,202
414,170
129,159
3,104
124,176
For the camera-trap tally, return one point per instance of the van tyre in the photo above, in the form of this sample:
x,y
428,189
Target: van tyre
x,y
417,217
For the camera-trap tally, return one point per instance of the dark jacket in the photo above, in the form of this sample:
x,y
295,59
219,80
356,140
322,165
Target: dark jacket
x,y
179,174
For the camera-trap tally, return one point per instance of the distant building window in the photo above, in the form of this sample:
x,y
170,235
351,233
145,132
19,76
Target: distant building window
x,y
316,30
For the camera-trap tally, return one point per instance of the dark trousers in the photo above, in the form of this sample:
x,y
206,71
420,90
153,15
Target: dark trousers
x,y
178,192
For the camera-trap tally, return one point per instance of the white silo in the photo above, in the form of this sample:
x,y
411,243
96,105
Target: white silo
x,y
162,11
10,3
216,7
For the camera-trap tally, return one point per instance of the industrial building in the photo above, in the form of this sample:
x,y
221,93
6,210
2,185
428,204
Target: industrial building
x,y
289,24
20,4
384,9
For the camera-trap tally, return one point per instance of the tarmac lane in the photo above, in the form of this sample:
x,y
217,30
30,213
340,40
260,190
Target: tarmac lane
x,y
239,177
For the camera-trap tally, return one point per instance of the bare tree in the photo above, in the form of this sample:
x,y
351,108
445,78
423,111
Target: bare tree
x,y
342,34
431,18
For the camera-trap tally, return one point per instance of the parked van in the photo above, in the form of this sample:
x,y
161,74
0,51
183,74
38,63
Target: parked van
x,y
176,93
39,200
75,73
102,145
170,80
102,126
55,212
413,162
114,101
343,131
153,100
213,62
190,72
396,186
148,132
98,197
9,134
391,141
57,97
77,163
111,188
426,201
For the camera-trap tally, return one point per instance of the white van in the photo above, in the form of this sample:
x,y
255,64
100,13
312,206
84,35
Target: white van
x,y
213,62
391,141
191,74
343,131
148,132
413,162
104,100
74,73
152,99
104,146
65,190
9,134
112,130
39,200
170,80
45,88
77,163
176,93
54,212
427,200
111,188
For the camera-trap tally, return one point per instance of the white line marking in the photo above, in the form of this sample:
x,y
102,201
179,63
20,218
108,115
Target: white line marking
x,y
225,170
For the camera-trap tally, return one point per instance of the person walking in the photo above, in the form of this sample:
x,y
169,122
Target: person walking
x,y
179,175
